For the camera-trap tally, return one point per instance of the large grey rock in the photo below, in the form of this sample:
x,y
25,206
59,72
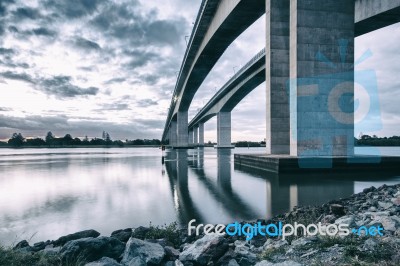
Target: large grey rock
x,y
150,253
91,249
78,235
105,261
348,219
204,250
285,263
122,235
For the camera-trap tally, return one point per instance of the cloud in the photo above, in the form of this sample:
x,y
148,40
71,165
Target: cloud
x,y
42,31
146,103
73,9
5,109
86,45
26,13
17,76
61,87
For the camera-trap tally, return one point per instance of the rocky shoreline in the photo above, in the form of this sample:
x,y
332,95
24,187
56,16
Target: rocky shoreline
x,y
170,245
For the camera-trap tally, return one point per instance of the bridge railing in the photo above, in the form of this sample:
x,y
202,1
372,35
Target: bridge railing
x,y
176,90
229,82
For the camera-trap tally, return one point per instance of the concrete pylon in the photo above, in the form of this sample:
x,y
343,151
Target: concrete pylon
x,y
322,78
201,134
191,134
196,135
182,129
224,130
277,76
172,134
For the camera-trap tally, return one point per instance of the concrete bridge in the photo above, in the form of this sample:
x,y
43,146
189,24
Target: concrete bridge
x,y
314,115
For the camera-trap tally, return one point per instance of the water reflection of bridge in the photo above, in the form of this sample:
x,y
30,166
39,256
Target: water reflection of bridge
x,y
281,194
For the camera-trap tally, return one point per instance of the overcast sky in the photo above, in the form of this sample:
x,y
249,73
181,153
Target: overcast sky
x,y
84,66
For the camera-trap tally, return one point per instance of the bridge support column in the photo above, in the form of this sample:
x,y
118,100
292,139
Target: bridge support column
x,y
201,134
172,134
196,135
182,124
277,76
322,77
224,130
191,134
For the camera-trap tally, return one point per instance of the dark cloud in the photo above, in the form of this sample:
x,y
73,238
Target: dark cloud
x,y
44,32
139,58
3,6
61,87
26,13
117,106
6,51
17,76
12,29
5,109
85,44
115,80
73,9
146,103
138,28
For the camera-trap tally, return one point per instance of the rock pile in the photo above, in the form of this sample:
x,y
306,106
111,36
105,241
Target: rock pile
x,y
144,246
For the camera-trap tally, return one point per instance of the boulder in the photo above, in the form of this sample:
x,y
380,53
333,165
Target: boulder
x,y
104,261
171,252
91,249
137,249
285,263
337,209
78,235
122,235
206,249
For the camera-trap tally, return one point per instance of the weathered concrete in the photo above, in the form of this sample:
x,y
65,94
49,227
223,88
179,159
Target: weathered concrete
x,y
371,15
276,77
218,24
173,140
201,134
224,130
321,96
293,164
196,135
191,135
232,92
182,129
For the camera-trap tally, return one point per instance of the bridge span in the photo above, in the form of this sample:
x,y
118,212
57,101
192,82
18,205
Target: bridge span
x,y
304,39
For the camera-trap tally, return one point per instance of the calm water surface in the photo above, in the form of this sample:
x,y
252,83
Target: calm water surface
x,y
47,193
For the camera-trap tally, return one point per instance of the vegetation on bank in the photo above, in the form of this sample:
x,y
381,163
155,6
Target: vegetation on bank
x,y
51,141
8,257
366,140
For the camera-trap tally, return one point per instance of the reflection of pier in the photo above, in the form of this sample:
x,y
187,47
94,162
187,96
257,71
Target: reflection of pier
x,y
222,190
282,192
286,191
176,165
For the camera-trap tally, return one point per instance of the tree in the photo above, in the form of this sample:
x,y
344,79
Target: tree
x,y
49,138
17,140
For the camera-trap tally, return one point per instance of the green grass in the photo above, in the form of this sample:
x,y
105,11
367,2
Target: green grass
x,y
10,257
269,254
169,232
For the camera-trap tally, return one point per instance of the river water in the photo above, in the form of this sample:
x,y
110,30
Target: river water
x,y
47,193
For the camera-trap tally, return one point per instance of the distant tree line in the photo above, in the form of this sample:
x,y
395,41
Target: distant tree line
x,y
249,144
17,140
366,140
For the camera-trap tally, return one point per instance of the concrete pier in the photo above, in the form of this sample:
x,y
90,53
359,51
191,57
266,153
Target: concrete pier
x,y
224,130
276,76
201,134
191,134
322,78
196,136
182,130
173,139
